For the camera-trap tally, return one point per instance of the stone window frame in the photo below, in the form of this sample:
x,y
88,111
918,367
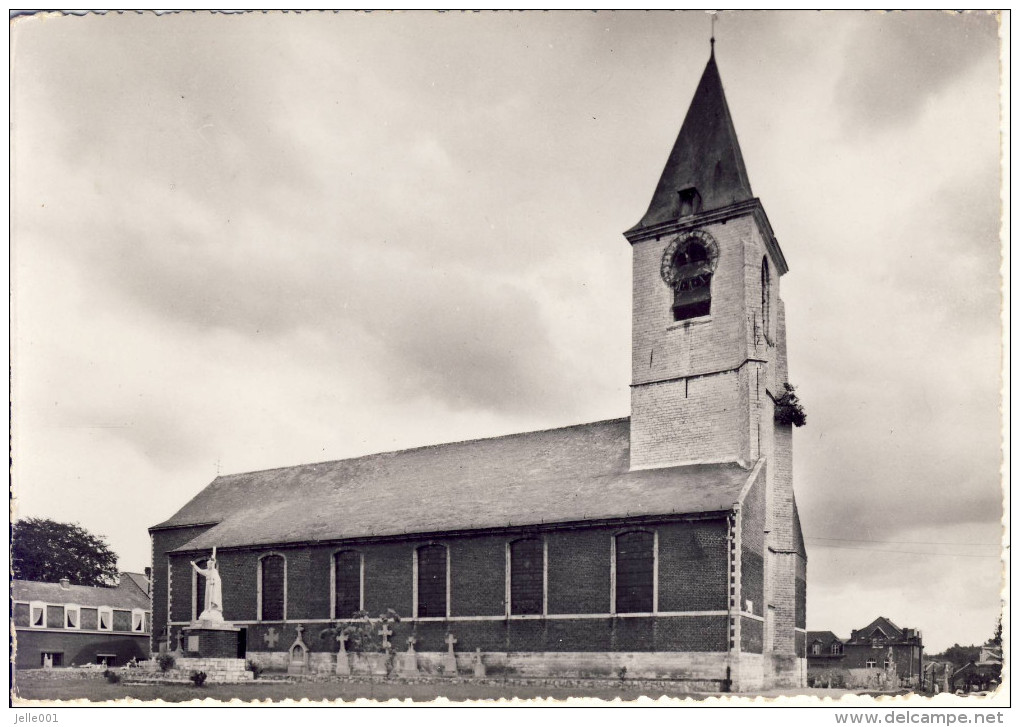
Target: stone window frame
x,y
74,608
332,580
108,610
258,584
414,581
655,569
45,615
138,620
545,577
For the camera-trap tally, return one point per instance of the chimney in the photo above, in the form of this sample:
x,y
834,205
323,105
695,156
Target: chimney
x,y
65,584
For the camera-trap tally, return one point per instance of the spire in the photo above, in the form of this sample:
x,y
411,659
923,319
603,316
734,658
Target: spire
x,y
705,158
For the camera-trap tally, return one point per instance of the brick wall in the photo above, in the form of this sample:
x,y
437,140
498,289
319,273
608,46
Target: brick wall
x,y
702,419
163,541
752,541
693,565
579,571
664,348
751,635
692,568
77,647
664,418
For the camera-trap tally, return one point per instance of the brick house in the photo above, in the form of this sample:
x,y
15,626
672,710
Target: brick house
x,y
57,624
663,544
868,648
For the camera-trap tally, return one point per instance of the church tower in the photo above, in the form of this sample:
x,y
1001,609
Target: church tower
x,y
709,346
706,328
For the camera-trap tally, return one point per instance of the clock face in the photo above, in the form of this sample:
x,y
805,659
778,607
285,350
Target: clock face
x,y
689,256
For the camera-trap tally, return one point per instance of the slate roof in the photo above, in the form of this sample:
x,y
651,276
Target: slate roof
x,y
124,596
892,631
706,156
138,579
577,473
826,637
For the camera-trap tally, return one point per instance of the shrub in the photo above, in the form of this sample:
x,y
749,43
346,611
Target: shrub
x,y
255,668
789,410
166,662
111,676
621,673
363,632
198,678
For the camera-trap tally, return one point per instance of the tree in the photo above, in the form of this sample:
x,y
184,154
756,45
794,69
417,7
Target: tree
x,y
45,550
996,639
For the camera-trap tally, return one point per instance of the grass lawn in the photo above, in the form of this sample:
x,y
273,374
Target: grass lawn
x,y
33,685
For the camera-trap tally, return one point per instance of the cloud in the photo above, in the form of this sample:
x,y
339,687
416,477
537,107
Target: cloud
x,y
896,63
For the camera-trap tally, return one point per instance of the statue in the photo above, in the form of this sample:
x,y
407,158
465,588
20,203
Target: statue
x,y
213,606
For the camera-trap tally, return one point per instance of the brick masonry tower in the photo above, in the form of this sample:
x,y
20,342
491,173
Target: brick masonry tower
x,y
709,346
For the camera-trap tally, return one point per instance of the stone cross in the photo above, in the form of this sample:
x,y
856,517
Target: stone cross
x,y
342,640
411,641
385,632
271,638
450,641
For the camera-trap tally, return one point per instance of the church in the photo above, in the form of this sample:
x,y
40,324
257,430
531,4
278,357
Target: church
x,y
666,544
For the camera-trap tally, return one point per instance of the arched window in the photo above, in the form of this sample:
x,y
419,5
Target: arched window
x,y
527,577
272,587
198,589
766,293
687,266
635,572
432,581
347,583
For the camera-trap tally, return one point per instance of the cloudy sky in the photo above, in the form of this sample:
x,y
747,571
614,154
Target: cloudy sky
x,y
244,242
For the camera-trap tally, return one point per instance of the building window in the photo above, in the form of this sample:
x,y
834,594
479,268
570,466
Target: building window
x,y
635,572
432,585
888,663
105,618
72,616
348,580
690,202
688,263
816,648
527,577
198,589
272,587
836,649
870,664
106,659
138,620
54,616
38,615
50,659
766,293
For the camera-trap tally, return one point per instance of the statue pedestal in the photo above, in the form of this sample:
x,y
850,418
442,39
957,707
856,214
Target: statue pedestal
x,y
213,640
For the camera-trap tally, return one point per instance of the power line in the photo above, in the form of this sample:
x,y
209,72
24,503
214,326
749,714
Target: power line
x,y
908,552
893,542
